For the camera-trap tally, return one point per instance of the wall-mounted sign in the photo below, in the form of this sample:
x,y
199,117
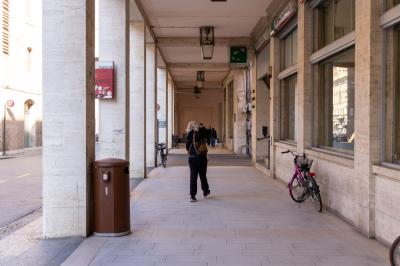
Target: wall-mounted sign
x,y
238,55
10,103
104,80
284,17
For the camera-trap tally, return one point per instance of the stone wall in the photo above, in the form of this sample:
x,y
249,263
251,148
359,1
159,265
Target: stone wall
x,y
359,187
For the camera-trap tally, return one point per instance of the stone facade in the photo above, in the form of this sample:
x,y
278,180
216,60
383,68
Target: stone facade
x,y
113,138
361,188
238,143
68,150
21,78
137,102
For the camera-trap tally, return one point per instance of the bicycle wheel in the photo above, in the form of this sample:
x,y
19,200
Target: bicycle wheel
x,y
313,189
297,190
395,252
164,160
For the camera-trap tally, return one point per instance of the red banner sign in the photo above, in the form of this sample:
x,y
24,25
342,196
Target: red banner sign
x,y
104,79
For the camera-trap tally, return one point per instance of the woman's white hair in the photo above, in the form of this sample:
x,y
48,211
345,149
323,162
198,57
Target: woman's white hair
x,y
192,125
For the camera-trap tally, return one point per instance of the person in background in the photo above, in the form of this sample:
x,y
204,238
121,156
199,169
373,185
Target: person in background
x,y
202,129
208,136
214,137
197,161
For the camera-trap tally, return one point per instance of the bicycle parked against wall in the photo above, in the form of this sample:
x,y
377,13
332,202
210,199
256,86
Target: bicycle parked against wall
x,y
161,148
303,185
395,252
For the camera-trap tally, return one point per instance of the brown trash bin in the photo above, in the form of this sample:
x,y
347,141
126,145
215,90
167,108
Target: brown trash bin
x,y
111,197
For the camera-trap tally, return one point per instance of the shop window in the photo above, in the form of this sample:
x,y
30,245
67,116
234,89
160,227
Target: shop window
x,y
332,20
334,92
396,155
231,115
392,106
288,48
287,108
392,3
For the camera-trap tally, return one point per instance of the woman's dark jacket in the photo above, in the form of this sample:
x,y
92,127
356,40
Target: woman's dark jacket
x,y
199,137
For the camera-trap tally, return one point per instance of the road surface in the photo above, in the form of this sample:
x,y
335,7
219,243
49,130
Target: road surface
x,y
20,186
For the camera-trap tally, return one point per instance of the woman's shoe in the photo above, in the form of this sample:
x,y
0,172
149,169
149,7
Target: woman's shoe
x,y
193,199
205,194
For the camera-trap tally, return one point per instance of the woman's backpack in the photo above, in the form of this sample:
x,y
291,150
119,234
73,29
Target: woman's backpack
x,y
199,147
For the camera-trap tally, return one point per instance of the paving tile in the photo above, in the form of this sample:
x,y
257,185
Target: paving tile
x,y
191,259
171,251
242,259
234,264
139,259
182,264
249,220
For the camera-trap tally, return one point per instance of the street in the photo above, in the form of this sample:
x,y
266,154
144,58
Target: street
x,y
20,186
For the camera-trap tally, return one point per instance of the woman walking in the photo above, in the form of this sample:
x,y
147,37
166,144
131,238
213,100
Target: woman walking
x,y
196,146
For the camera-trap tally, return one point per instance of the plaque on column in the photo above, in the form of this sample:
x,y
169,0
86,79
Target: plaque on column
x,y
104,80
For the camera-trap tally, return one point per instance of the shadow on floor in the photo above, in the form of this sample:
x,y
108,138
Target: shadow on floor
x,y
213,160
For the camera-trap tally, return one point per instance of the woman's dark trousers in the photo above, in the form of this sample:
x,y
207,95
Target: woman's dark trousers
x,y
198,167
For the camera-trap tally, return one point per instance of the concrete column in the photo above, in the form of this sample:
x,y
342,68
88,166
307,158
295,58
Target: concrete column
x,y
274,107
367,109
151,112
114,46
304,100
137,125
68,119
239,103
162,103
170,108
176,113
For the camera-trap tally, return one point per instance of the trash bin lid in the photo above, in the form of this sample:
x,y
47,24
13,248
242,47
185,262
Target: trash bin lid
x,y
111,162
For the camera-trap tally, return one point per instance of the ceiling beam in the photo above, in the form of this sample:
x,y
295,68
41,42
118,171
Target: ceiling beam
x,y
200,66
194,42
149,28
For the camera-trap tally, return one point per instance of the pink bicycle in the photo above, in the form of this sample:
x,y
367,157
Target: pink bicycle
x,y
303,185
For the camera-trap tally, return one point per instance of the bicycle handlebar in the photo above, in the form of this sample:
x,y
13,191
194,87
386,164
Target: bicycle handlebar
x,y
289,151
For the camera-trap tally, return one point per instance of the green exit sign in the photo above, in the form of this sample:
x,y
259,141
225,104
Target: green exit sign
x,y
239,55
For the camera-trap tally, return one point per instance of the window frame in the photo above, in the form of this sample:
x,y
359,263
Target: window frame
x,y
319,44
289,32
316,95
395,110
285,136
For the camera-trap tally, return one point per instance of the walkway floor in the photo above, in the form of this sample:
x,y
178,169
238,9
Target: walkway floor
x,y
248,220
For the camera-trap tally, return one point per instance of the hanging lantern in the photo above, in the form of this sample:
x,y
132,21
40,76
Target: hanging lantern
x,y
196,92
207,42
200,80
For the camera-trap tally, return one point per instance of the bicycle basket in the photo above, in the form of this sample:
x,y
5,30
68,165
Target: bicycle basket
x,y
304,162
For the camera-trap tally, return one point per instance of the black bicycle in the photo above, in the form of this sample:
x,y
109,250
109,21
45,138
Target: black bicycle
x,y
161,148
395,252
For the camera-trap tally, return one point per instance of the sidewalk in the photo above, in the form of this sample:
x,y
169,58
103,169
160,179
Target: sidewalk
x,y
248,220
